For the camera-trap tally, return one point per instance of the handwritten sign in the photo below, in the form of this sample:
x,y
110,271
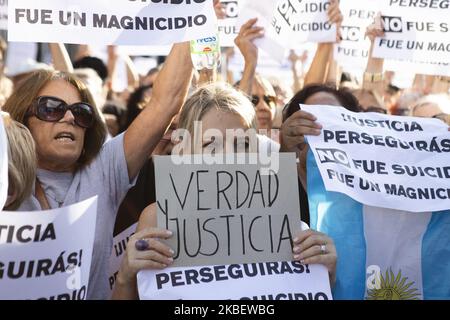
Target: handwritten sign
x,y
228,213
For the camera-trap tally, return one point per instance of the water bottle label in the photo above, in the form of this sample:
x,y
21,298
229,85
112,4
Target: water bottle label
x,y
208,45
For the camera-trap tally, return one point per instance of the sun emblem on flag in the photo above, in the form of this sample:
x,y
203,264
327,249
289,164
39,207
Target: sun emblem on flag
x,y
394,288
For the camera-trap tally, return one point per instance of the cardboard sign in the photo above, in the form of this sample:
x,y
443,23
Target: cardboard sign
x,y
228,213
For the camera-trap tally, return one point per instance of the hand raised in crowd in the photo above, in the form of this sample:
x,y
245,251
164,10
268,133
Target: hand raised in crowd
x,y
293,57
335,17
244,40
145,252
295,128
313,247
375,29
219,9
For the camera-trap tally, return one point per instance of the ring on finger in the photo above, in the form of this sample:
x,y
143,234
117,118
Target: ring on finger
x,y
142,245
323,249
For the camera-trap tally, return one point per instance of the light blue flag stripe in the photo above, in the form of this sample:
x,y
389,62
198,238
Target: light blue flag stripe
x,y
343,222
436,257
341,218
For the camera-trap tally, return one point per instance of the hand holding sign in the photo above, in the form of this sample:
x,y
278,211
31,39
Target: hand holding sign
x,y
244,40
313,247
219,9
154,256
335,17
375,29
295,128
334,13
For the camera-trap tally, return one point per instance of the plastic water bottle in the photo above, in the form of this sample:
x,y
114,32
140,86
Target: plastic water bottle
x,y
205,53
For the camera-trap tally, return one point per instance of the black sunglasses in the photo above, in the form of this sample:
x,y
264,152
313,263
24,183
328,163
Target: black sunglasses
x,y
267,99
52,109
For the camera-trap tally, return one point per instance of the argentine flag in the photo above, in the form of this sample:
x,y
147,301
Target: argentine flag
x,y
383,254
379,186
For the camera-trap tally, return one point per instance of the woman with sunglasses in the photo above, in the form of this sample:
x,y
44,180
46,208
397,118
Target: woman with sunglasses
x,y
74,164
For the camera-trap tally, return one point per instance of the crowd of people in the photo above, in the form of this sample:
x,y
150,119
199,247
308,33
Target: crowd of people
x,y
72,137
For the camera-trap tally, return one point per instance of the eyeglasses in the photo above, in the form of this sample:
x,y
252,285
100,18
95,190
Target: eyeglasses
x,y
267,99
52,109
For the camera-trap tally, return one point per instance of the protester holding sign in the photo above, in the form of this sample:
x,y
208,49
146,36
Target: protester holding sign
x,y
387,202
220,108
72,160
298,123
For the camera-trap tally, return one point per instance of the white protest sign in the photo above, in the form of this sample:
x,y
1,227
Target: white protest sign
x,y
228,29
433,69
288,23
303,21
393,162
3,14
415,30
228,213
20,57
3,164
119,247
145,50
47,255
352,52
257,281
127,22
263,10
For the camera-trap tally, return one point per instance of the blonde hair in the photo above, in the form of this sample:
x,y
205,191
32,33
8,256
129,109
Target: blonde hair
x,y
21,161
220,96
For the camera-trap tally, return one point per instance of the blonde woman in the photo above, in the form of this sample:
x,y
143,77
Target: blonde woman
x,y
21,162
219,108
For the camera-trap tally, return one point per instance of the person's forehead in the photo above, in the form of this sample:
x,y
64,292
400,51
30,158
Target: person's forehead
x,y
323,98
61,89
222,120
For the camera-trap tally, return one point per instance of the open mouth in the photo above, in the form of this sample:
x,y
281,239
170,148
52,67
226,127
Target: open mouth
x,y
65,137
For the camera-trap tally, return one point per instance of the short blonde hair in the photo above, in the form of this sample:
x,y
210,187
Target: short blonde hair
x,y
220,96
21,161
